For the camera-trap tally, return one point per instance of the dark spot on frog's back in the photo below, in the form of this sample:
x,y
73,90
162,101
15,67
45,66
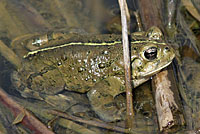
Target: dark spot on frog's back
x,y
64,57
88,52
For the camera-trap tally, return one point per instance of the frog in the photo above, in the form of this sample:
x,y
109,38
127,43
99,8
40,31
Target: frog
x,y
87,63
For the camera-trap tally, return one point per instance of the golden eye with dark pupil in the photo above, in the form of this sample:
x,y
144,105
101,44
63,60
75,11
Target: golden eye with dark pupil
x,y
151,53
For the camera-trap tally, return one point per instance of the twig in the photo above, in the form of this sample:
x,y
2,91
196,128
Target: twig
x,y
130,113
171,9
78,128
124,4
29,120
165,101
138,20
89,122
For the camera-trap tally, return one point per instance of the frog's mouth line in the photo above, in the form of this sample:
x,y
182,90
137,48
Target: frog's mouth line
x,y
154,71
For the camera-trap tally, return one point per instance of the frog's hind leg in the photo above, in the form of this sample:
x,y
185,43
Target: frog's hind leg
x,y
102,99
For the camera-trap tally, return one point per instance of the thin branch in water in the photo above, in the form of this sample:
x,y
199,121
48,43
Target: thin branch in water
x,y
124,15
138,20
89,122
125,6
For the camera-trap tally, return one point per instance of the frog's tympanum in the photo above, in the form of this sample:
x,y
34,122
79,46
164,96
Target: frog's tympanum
x,y
91,64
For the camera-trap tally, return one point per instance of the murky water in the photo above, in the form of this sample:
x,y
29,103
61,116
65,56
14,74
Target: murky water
x,y
81,16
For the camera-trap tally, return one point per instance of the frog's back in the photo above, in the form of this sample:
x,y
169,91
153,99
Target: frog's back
x,y
76,67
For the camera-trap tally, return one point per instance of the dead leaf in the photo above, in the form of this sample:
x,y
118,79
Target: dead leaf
x,y
190,7
19,118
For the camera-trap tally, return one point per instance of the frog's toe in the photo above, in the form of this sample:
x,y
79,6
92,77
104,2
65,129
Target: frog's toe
x,y
104,106
108,114
27,93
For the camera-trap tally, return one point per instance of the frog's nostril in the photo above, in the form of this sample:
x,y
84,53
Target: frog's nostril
x,y
150,53
166,48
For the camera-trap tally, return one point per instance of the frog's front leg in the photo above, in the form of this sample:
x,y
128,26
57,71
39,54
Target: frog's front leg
x,y
102,99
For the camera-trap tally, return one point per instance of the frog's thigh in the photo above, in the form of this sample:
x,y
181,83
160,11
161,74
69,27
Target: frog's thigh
x,y
102,99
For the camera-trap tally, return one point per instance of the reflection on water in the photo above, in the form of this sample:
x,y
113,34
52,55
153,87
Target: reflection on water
x,y
191,73
190,86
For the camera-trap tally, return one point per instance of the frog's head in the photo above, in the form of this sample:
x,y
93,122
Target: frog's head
x,y
149,58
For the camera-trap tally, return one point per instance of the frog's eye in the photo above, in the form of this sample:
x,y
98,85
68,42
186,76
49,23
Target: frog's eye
x,y
150,53
154,33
